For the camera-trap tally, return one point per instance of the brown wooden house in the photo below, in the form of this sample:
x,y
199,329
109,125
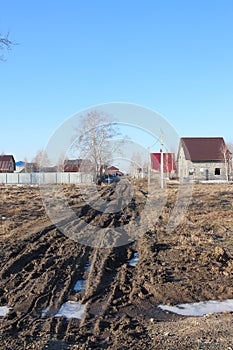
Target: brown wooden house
x,y
77,165
7,163
112,170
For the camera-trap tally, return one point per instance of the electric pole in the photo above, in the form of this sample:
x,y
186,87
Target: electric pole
x,y
149,165
161,160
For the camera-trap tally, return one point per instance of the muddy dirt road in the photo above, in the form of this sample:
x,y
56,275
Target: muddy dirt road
x,y
115,291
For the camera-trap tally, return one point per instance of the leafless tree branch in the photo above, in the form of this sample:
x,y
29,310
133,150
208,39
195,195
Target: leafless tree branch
x,y
93,140
5,44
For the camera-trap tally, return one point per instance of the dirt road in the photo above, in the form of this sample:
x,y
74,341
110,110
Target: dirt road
x,y
42,269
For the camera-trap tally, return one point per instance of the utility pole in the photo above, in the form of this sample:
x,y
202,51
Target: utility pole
x,y
149,166
161,160
149,160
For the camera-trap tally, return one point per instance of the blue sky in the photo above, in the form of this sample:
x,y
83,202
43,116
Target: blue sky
x,y
172,56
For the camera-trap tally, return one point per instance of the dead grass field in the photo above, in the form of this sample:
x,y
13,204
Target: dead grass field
x,y
40,266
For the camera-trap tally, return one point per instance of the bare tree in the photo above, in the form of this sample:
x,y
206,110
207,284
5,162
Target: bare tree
x,y
229,146
227,159
41,160
5,44
61,162
94,141
138,165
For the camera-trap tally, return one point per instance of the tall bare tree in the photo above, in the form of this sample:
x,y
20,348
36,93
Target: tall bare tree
x,y
230,148
138,164
41,160
61,162
226,153
5,44
94,140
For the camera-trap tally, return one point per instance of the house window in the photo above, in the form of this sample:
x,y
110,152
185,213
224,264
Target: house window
x,y
217,171
191,171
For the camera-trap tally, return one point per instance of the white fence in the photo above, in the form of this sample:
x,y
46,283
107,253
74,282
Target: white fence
x,y
44,178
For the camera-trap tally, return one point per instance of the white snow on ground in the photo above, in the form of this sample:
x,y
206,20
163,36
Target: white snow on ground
x,y
215,182
80,285
134,261
4,310
44,312
88,266
201,308
71,309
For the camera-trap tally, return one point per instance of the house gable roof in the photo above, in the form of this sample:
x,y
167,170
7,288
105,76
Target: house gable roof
x,y
112,168
204,148
5,160
6,157
75,165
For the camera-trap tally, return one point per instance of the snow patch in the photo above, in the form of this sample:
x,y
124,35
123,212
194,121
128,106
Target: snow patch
x,y
44,312
88,266
134,260
71,309
200,308
4,310
215,182
80,285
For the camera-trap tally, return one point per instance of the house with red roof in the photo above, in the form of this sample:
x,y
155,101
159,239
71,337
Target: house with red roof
x,y
77,165
112,170
7,163
203,158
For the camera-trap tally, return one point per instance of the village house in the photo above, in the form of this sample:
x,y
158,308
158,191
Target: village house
x,y
112,170
7,163
20,167
203,158
31,167
77,165
169,163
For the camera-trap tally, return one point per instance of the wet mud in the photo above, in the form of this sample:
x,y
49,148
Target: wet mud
x,y
40,267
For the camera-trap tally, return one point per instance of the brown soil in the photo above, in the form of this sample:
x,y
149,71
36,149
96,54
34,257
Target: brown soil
x,y
39,267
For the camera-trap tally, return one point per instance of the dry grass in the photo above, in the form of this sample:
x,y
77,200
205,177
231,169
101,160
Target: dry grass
x,y
209,215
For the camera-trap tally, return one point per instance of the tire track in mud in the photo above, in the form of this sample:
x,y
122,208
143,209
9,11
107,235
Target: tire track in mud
x,y
124,298
41,275
41,270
